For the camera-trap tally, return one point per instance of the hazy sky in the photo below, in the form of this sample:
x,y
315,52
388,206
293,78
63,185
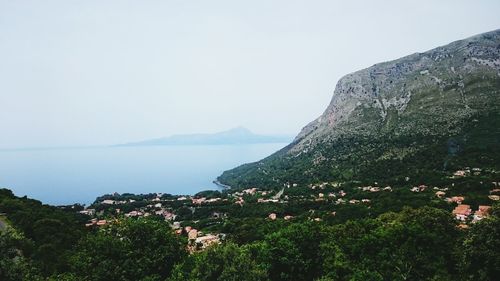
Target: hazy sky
x,y
102,72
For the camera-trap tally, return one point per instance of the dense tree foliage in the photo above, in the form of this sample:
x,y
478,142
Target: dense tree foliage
x,y
421,243
226,262
414,244
480,251
53,231
292,253
128,250
383,156
13,264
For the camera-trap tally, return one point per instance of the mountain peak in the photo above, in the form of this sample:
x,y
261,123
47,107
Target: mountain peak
x,y
238,135
239,130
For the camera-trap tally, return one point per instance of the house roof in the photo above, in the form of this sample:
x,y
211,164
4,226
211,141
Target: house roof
x,y
483,210
462,209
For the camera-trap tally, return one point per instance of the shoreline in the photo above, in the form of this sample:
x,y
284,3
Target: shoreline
x,y
221,185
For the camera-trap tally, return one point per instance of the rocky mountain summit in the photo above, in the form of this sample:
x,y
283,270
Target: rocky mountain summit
x,y
423,112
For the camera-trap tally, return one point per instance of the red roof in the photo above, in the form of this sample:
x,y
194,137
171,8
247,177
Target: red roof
x,y
483,210
462,209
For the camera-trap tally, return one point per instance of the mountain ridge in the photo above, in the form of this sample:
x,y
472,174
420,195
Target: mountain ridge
x,y
238,135
393,112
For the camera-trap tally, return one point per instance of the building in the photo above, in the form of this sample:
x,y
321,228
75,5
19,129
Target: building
x,y
440,194
134,214
494,197
250,191
456,199
193,234
176,225
481,213
205,241
169,216
88,212
420,188
198,201
462,212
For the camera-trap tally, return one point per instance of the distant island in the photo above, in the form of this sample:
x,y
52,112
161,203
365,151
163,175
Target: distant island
x,y
239,135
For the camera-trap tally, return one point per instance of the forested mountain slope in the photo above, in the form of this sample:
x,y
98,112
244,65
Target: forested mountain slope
x,y
418,117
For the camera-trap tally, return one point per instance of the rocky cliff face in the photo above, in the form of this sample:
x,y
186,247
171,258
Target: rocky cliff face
x,y
391,110
391,86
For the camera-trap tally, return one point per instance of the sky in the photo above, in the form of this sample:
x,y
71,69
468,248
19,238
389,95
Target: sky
x,y
98,72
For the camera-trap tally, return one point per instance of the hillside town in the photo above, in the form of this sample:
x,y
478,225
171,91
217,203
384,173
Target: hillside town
x,y
180,211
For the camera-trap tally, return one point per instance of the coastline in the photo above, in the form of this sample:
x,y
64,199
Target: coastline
x,y
221,185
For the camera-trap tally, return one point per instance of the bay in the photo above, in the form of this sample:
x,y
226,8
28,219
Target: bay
x,y
79,175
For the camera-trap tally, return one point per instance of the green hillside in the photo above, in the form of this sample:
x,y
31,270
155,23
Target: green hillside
x,y
423,117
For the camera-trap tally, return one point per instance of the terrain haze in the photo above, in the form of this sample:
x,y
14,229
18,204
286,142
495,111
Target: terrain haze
x,y
98,73
239,135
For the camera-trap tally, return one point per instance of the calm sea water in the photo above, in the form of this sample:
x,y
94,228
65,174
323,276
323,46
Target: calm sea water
x,y
66,176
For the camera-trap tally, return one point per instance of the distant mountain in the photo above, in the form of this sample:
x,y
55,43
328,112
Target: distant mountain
x,y
411,119
238,135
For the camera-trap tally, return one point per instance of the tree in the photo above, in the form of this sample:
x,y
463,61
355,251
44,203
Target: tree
x,y
415,244
53,231
227,262
129,250
480,258
292,253
13,265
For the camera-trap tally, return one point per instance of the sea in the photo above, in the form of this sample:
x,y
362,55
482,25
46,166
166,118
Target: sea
x,y
63,176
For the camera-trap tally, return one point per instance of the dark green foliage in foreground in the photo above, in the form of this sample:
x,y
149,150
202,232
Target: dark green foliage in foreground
x,y
413,244
292,253
13,265
480,252
226,262
52,232
128,250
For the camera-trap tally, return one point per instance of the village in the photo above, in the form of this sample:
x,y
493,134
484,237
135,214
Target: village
x,y
176,209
